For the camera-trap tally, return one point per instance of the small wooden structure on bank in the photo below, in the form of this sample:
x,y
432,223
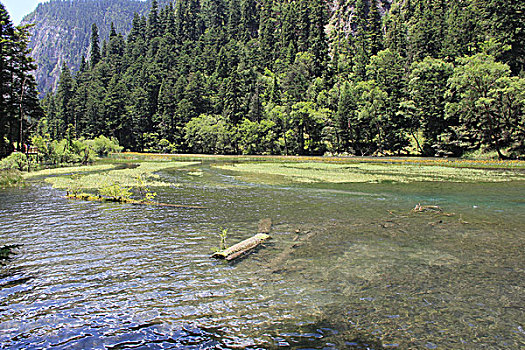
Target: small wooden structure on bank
x,y
31,150
245,246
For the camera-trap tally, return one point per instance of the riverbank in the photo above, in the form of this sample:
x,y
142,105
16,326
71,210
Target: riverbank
x,y
446,162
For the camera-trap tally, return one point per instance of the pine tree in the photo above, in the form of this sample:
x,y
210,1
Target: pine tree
x,y
267,33
361,42
95,54
153,28
64,101
234,19
303,25
19,105
317,40
7,100
374,32
249,19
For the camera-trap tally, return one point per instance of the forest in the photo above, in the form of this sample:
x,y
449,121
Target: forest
x,y
294,77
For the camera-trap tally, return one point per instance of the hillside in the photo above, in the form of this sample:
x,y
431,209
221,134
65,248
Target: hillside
x,y
304,77
62,29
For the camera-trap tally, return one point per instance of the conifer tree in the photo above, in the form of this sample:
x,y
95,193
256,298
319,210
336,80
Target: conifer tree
x,y
249,19
153,29
19,106
317,40
64,101
95,54
375,33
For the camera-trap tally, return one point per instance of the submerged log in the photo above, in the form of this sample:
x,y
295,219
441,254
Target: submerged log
x,y
422,208
240,248
430,209
93,198
265,225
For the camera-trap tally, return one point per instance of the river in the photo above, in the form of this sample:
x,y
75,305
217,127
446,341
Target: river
x,y
349,266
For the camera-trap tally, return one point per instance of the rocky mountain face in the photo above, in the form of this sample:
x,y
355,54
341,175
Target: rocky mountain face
x,y
61,32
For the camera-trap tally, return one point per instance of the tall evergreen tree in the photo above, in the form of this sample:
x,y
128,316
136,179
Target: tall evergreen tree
x,y
19,107
95,54
64,101
317,40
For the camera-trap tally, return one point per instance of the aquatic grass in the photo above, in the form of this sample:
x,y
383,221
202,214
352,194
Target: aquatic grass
x,y
10,177
142,175
363,172
68,170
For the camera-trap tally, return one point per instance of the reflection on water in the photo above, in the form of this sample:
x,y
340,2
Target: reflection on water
x,y
349,267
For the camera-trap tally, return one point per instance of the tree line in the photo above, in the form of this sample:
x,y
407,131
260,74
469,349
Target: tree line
x,y
19,105
430,77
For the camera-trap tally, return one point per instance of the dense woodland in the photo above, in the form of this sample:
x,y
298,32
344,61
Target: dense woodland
x,y
361,77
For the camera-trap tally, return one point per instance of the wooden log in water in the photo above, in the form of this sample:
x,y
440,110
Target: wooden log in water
x,y
240,248
93,198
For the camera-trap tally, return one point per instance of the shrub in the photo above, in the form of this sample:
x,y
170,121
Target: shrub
x,y
116,191
16,161
102,146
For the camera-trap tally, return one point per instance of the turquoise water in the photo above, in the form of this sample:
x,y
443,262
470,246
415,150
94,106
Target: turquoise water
x,y
350,266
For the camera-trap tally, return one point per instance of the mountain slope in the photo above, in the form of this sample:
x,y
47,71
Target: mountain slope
x,y
62,30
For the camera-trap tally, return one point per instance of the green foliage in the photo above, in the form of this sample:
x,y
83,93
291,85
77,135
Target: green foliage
x,y
223,234
209,134
257,137
143,190
75,185
17,161
488,104
294,77
103,146
19,106
116,191
427,87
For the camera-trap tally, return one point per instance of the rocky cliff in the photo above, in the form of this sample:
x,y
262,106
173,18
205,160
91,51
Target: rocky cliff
x,y
62,29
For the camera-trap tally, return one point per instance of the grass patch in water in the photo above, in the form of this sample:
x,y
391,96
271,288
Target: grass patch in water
x,y
10,178
69,170
142,175
311,172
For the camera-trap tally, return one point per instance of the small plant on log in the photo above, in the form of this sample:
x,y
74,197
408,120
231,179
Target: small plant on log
x,y
223,234
222,245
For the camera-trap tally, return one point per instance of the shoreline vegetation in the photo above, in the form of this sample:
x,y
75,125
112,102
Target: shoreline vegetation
x,y
423,161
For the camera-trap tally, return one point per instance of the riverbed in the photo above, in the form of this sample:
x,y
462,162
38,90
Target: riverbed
x,y
349,266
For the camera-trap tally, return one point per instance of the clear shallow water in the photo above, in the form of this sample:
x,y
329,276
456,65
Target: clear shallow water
x,y
349,267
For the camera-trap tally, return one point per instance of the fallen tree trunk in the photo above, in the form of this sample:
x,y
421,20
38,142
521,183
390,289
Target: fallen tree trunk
x,y
240,248
89,197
